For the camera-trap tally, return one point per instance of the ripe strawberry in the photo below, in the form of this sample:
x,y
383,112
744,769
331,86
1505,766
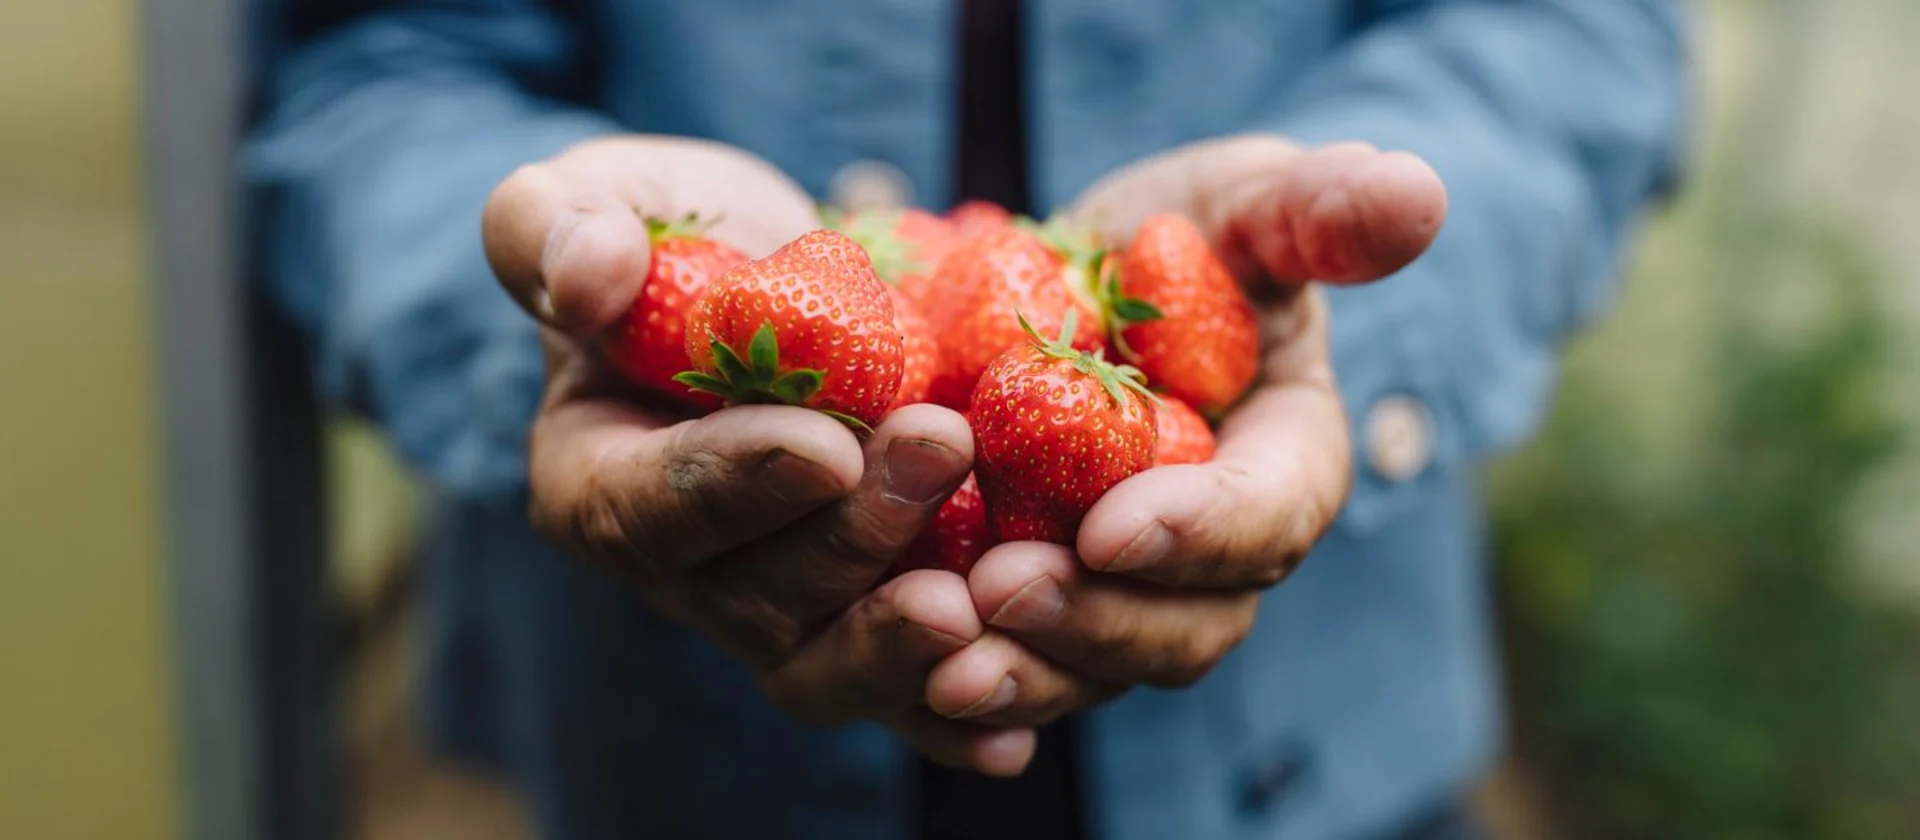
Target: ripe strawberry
x,y
983,283
649,343
904,246
1177,313
1053,429
920,348
972,218
955,538
817,327
1184,437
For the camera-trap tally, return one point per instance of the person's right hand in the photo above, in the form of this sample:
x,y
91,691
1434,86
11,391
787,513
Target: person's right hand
x,y
765,527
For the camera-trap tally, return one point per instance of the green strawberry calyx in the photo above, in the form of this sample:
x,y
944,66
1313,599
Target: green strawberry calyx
x,y
758,379
1121,311
685,227
1117,380
876,232
1093,274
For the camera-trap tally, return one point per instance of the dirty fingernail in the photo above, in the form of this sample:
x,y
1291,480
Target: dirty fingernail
x,y
1001,698
796,480
919,471
1147,549
1035,606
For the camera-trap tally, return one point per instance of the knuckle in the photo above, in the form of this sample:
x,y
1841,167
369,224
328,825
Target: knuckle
x,y
1268,571
1116,642
1196,655
857,539
801,702
878,611
1190,663
751,631
585,521
600,527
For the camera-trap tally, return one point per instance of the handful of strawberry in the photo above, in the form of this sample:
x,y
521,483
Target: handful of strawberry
x,y
1007,320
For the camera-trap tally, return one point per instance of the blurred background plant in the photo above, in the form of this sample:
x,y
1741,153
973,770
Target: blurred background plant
x,y
1707,561
1692,650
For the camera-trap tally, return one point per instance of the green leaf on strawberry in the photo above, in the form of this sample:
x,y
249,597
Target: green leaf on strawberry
x,y
686,227
1112,378
877,231
758,379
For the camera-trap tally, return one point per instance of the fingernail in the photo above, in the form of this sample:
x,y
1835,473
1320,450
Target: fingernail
x,y
930,643
796,480
553,262
1035,606
543,304
1001,698
1147,549
1003,754
918,471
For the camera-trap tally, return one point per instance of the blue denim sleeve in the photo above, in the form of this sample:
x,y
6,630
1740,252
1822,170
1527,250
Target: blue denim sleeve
x,y
1553,124
380,138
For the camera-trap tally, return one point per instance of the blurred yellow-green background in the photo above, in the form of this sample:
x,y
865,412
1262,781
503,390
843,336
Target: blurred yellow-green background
x,y
1709,563
87,740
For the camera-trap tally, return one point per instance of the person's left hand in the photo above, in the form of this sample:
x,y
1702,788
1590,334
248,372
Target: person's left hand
x,y
1171,563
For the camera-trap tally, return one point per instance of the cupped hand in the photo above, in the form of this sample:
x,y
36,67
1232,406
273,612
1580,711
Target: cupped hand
x,y
1169,566
764,527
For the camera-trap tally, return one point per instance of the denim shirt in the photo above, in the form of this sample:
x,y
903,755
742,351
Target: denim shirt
x,y
1368,689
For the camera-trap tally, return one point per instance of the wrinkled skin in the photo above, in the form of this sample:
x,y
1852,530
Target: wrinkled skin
x,y
766,527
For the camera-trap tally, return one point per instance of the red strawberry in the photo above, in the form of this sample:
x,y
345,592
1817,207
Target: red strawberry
x,y
1053,429
983,283
972,218
816,326
903,247
905,244
920,347
955,538
1184,437
649,343
1179,315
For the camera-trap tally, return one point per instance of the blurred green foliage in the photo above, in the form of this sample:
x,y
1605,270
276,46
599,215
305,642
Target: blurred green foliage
x,y
1692,652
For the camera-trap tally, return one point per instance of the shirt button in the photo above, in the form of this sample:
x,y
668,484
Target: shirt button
x,y
869,185
1399,437
1274,778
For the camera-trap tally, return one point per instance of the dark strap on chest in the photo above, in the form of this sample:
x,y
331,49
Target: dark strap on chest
x,y
991,156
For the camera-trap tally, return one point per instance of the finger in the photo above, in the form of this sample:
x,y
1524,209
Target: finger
x,y
1344,213
1278,478
794,581
1002,753
1109,629
997,682
875,657
611,483
566,237
749,202
570,250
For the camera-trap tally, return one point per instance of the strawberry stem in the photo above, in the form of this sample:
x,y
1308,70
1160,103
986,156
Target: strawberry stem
x,y
1115,379
1120,311
1090,270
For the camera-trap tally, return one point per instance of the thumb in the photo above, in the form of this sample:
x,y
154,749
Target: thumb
x,y
1345,213
574,257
